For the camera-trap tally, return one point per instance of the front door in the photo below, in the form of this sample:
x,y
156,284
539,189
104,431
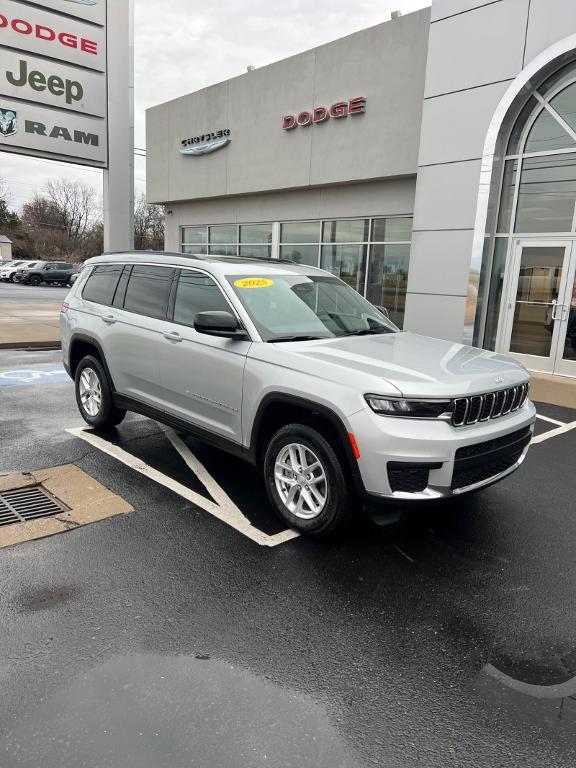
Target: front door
x,y
202,376
539,316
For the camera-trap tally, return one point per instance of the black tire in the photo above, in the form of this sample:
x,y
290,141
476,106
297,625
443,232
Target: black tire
x,y
107,414
34,279
340,501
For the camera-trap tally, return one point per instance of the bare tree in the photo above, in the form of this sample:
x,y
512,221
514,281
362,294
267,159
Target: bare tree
x,y
76,203
148,225
65,223
9,221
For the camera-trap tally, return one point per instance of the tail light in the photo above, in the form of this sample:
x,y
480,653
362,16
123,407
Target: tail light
x,y
65,307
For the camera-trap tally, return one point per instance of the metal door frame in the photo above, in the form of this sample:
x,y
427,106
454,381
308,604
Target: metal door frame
x,y
553,362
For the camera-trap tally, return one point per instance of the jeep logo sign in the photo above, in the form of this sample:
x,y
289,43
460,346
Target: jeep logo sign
x,y
71,90
52,83
340,109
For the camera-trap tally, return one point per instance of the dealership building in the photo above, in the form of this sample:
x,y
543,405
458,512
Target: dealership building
x,y
429,161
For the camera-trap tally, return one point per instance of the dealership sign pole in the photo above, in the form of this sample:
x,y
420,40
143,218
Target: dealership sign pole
x,y
66,93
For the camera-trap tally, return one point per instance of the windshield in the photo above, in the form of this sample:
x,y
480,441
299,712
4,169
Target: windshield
x,y
299,307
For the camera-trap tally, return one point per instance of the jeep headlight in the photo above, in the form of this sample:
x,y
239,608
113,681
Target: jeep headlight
x,y
415,409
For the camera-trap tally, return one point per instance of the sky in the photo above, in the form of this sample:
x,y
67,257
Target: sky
x,y
181,46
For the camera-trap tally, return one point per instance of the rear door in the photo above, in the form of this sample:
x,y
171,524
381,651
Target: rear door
x,y
134,336
202,376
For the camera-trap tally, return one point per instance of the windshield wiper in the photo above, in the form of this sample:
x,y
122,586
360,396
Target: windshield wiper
x,y
366,332
294,338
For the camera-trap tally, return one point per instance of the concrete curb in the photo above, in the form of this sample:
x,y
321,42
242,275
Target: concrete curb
x,y
30,345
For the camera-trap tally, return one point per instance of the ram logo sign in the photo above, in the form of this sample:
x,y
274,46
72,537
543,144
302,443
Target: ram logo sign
x,y
8,122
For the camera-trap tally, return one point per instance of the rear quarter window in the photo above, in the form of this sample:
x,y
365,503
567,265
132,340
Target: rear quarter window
x,y
148,291
101,284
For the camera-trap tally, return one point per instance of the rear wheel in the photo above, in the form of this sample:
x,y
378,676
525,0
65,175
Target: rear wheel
x,y
306,481
93,395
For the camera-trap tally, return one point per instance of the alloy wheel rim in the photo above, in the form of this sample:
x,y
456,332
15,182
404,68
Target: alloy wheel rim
x,y
301,481
90,391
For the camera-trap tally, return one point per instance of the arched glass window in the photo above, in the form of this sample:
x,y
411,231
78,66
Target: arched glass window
x,y
537,194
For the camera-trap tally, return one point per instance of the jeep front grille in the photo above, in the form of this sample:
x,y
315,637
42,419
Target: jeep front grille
x,y
470,410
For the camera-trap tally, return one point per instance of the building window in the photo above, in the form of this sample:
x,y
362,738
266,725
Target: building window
x,y
300,241
256,240
537,192
195,240
223,240
371,255
228,240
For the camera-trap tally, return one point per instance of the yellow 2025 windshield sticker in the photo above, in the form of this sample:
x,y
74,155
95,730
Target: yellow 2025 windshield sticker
x,y
254,282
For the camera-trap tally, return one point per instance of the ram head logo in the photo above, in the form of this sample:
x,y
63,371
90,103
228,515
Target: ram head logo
x,y
8,122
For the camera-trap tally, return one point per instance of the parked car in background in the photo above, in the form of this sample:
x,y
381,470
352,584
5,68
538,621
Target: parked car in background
x,y
74,276
39,272
8,271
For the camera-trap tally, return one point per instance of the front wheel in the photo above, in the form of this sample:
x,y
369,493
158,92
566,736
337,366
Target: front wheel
x,y
306,481
93,395
35,280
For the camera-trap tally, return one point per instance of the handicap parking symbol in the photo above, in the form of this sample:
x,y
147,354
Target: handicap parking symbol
x,y
33,376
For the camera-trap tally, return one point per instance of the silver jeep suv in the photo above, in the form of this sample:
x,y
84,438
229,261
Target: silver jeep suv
x,y
288,367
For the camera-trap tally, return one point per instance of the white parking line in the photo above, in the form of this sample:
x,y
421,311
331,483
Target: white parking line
x,y
553,433
552,421
222,507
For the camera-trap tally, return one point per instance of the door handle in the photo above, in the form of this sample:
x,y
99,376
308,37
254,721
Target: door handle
x,y
558,315
172,336
110,319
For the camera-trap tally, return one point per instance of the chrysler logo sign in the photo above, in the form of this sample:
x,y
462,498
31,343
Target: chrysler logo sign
x,y
206,143
84,2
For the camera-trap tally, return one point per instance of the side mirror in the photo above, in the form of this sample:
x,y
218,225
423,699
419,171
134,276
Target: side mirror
x,y
217,323
383,310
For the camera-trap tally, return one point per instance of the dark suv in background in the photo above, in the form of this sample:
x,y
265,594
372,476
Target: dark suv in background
x,y
58,272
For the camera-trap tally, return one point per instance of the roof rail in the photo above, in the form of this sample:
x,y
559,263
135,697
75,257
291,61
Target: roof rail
x,y
198,257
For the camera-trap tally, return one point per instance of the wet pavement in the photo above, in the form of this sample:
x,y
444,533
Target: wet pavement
x,y
13,293
167,638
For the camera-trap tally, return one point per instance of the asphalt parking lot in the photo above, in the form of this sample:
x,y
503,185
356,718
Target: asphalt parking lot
x,y
13,293
179,635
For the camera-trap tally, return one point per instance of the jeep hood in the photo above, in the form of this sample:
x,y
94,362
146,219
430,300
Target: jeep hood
x,y
415,365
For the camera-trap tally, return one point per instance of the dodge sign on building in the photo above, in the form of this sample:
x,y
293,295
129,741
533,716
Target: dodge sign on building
x,y
53,99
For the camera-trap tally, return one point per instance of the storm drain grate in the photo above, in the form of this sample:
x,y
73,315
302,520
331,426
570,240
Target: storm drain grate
x,y
24,504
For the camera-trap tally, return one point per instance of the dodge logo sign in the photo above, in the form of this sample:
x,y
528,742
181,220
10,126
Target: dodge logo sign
x,y
338,110
8,122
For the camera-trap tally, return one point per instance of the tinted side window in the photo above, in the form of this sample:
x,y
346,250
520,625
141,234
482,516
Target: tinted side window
x,y
197,293
102,283
148,291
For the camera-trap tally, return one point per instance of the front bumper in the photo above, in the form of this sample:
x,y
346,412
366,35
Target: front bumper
x,y
451,460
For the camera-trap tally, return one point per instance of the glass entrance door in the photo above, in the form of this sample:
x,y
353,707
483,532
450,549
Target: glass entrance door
x,y
566,359
539,322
